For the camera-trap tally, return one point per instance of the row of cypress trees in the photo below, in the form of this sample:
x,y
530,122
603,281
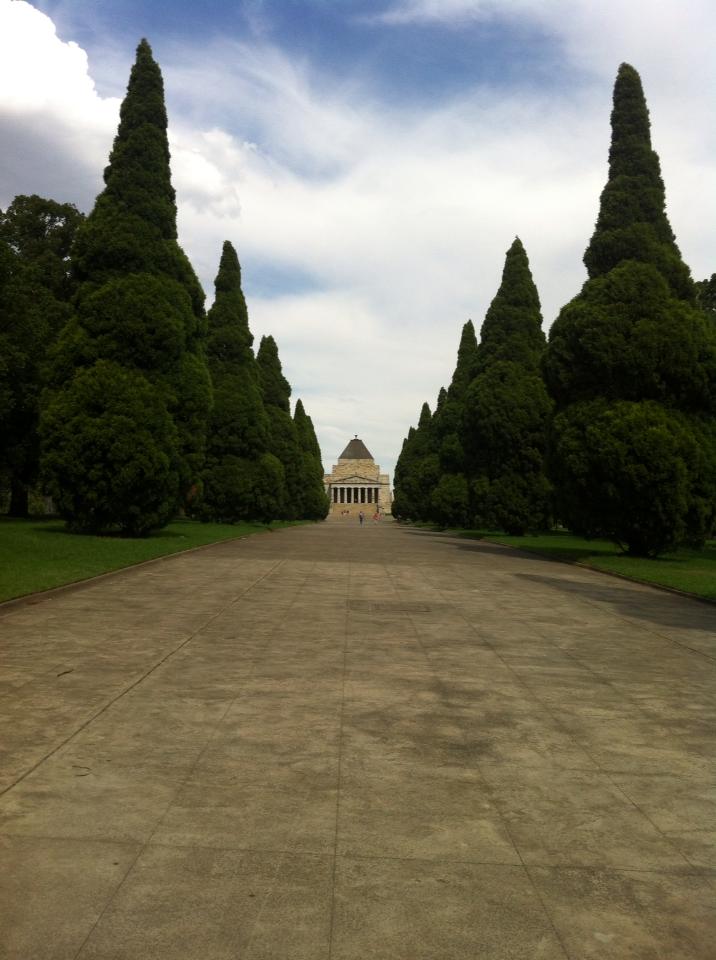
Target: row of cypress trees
x,y
479,458
148,405
609,426
261,463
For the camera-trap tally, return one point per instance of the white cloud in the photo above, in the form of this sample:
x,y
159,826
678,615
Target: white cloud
x,y
398,219
56,128
441,11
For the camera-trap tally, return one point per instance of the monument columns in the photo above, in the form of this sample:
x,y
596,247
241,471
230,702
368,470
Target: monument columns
x,y
356,481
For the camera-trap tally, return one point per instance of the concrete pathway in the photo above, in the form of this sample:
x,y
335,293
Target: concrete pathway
x,y
358,744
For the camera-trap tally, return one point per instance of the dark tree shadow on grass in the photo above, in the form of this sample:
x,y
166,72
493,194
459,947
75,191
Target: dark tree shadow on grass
x,y
157,534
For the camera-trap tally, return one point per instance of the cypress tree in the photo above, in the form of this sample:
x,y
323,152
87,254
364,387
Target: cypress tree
x,y
447,421
706,296
449,496
315,501
401,507
417,471
7,394
426,471
507,407
240,475
512,328
139,318
283,439
631,364
632,222
36,235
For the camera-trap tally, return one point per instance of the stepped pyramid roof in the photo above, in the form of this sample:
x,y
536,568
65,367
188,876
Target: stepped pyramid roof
x,y
356,450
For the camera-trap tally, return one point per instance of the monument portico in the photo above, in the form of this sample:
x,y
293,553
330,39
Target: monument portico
x,y
356,483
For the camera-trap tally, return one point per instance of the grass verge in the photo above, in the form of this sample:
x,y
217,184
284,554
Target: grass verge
x,y
693,571
40,554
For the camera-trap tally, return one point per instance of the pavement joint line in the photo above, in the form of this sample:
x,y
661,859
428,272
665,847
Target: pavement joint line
x,y
423,749
504,821
136,683
289,852
694,871
684,594
651,630
334,871
598,767
662,833
182,782
584,664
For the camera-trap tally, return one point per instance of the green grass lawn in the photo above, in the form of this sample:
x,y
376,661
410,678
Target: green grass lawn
x,y
693,571
39,554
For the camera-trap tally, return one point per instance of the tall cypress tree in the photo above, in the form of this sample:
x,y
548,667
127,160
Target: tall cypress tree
x,y
632,222
512,328
447,421
449,498
139,330
283,440
402,506
417,471
631,364
315,501
507,407
7,393
240,477
706,296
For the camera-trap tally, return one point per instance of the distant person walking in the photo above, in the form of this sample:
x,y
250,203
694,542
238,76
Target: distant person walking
x,y
361,517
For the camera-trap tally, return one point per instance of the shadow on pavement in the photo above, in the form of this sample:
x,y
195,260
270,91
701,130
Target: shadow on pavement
x,y
480,546
648,604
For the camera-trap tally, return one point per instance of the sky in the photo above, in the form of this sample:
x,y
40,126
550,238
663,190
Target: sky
x,y
370,160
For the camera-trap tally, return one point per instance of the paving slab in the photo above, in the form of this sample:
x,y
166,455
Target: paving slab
x,y
340,742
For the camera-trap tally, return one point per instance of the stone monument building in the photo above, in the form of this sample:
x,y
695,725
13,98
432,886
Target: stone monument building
x,y
356,484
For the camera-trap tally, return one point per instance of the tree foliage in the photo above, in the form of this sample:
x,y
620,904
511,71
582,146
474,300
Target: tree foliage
x,y
446,425
139,311
450,501
507,421
235,472
283,439
706,296
35,288
631,363
431,466
315,500
507,409
627,337
512,328
636,472
632,224
111,452
417,471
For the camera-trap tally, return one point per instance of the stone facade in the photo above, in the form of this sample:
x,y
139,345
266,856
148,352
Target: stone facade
x,y
356,484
